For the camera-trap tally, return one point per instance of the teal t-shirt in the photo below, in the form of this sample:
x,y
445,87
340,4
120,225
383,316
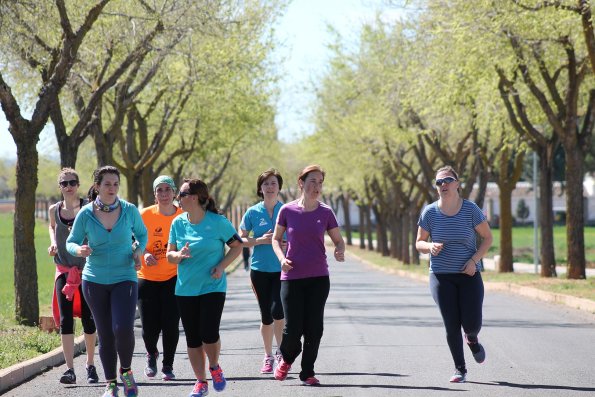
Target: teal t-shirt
x,y
257,220
207,246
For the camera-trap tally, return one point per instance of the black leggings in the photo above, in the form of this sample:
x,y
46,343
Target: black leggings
x,y
113,307
267,288
460,299
303,304
66,310
201,317
159,313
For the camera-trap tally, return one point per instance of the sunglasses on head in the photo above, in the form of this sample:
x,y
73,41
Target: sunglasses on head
x,y
72,182
183,194
447,180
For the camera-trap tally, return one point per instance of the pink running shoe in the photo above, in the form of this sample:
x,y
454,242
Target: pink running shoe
x,y
311,381
267,365
282,370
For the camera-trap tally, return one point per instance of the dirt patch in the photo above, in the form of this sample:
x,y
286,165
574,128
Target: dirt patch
x,y
6,207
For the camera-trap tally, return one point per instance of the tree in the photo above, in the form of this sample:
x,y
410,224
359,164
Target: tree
x,y
54,72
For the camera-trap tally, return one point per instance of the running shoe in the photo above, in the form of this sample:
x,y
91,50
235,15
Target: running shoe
x,y
92,374
68,377
479,353
311,381
167,373
459,376
219,381
278,356
151,368
282,370
267,365
111,390
201,389
130,388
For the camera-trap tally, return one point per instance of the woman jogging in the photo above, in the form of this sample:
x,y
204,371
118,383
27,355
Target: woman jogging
x,y
265,269
305,280
197,241
68,295
157,281
109,225
455,263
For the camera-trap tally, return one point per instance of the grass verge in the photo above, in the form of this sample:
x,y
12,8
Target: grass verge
x,y
578,288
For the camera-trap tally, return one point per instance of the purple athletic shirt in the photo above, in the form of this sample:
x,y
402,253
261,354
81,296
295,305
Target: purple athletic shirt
x,y
305,239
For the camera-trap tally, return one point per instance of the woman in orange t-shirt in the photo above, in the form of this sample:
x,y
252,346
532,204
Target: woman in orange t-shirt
x,y
157,281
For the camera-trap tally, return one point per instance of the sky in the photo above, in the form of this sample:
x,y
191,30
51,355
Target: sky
x,y
303,35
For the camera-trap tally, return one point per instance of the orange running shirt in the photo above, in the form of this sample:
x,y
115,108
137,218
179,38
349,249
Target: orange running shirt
x,y
158,226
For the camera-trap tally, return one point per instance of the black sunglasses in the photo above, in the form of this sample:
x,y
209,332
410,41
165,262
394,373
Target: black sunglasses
x,y
72,182
183,194
447,180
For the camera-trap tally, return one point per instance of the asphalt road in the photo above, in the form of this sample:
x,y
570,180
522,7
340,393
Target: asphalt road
x,y
384,337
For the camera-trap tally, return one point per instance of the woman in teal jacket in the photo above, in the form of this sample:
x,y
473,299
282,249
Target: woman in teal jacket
x,y
109,277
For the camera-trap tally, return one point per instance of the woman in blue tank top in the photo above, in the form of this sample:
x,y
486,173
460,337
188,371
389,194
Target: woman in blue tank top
x,y
452,223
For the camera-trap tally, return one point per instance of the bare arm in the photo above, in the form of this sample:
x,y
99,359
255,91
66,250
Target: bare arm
x,y
175,256
422,244
252,241
335,235
235,249
483,229
53,248
278,247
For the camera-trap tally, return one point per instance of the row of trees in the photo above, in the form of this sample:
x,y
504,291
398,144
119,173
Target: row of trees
x,y
474,84
158,86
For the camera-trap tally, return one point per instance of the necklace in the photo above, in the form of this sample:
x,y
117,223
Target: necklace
x,y
105,207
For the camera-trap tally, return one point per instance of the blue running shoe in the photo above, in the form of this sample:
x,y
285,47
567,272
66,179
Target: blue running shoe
x,y
130,388
201,389
219,381
111,390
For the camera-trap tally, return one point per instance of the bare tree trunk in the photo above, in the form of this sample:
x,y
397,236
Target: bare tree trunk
x,y
405,231
575,233
369,229
506,261
25,263
347,217
546,218
362,226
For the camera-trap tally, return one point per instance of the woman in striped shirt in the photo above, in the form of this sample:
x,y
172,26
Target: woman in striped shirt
x,y
452,223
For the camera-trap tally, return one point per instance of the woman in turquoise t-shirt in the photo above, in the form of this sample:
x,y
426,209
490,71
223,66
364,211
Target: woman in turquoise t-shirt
x,y
265,270
197,240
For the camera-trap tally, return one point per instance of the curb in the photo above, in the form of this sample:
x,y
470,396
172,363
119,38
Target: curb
x,y
19,373
582,304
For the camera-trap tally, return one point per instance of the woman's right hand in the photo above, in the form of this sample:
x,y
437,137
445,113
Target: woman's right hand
x,y
435,248
84,251
150,260
53,250
184,252
286,265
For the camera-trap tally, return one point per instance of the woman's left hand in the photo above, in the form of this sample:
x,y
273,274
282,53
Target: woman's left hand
x,y
217,272
470,268
339,255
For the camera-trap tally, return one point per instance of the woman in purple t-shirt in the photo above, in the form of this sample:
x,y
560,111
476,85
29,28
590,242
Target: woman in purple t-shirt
x,y
304,272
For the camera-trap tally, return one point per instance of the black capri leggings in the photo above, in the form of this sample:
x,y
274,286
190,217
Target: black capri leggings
x,y
66,310
460,300
201,317
267,288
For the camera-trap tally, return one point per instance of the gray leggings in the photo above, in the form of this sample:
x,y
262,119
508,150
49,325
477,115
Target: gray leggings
x,y
113,307
460,299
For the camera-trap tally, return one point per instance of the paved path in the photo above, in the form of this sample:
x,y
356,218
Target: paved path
x,y
384,337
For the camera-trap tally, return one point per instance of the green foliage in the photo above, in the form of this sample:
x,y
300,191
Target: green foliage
x,y
522,211
19,343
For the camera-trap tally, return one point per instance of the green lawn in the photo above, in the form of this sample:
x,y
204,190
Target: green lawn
x,y
522,241
19,343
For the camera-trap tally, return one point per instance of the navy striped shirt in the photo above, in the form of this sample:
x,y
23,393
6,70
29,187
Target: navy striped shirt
x,y
456,232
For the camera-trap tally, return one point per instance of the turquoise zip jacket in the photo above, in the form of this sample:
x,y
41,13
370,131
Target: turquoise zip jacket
x,y
111,260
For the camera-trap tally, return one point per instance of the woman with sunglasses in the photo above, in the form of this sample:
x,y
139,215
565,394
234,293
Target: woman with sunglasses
x,y
157,281
265,269
102,233
452,224
68,300
197,241
305,283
